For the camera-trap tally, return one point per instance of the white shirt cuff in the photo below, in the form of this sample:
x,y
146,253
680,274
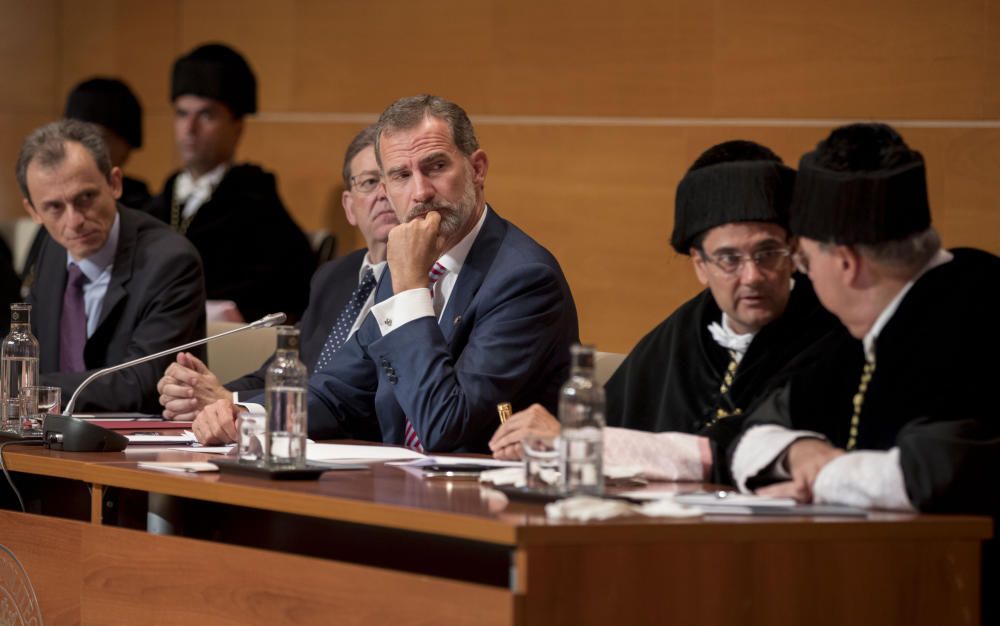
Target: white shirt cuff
x,y
402,308
660,456
256,410
763,448
870,479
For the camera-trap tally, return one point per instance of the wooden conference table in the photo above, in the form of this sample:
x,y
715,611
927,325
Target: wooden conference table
x,y
388,547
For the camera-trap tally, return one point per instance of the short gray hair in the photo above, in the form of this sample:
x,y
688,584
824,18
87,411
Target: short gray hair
x,y
361,141
48,145
908,254
406,113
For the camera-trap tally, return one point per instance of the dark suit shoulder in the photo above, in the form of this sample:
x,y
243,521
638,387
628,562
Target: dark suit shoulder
x,y
154,238
334,270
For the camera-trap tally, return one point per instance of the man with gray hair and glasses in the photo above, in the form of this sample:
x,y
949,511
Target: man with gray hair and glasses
x,y
471,311
112,283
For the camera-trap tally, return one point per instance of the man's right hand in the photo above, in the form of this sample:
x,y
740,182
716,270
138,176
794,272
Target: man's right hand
x,y
187,387
411,251
534,420
216,423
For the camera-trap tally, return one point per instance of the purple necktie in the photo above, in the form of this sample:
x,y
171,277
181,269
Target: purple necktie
x,y
73,323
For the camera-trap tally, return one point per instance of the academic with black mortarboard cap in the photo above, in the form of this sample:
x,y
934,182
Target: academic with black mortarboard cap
x,y
254,253
679,397
898,414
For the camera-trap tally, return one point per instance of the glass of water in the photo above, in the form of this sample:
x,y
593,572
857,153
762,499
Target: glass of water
x,y
250,444
11,412
38,402
541,462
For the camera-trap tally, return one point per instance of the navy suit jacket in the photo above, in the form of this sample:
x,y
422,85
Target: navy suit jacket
x,y
155,300
504,336
330,289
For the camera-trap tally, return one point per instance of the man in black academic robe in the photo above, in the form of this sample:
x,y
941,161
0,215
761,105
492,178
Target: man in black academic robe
x,y
699,370
254,253
897,414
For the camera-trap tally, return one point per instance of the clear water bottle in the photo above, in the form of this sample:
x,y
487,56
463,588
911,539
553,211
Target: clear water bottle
x,y
581,415
285,402
19,365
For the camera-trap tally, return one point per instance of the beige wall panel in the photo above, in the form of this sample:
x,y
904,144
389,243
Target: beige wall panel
x,y
13,129
307,159
992,48
358,56
29,54
894,59
145,46
87,32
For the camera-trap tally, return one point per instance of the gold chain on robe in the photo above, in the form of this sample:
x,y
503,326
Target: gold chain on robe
x,y
859,401
724,391
178,224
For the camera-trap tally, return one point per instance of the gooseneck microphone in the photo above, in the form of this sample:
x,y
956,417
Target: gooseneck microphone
x,y
264,322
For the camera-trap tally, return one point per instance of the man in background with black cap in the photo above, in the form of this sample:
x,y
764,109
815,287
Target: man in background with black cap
x,y
899,413
693,376
254,253
111,105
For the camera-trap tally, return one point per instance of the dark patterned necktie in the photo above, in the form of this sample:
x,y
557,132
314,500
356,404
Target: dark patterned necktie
x,y
73,323
410,438
342,327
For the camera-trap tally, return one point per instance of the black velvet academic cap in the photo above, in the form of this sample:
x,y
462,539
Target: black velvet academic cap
x,y
852,189
733,191
218,72
110,103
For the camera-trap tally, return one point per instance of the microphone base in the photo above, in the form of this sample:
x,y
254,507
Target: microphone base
x,y
72,434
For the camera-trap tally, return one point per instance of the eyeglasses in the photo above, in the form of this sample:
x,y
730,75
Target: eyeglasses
x,y
731,263
365,183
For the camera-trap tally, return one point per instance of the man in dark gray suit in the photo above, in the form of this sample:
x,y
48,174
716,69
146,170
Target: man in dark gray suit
x,y
189,385
112,284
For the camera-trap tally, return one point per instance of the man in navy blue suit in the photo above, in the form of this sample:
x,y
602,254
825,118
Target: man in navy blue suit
x,y
470,313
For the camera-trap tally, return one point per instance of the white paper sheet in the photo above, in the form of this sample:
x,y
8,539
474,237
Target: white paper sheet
x,y
348,452
163,440
183,467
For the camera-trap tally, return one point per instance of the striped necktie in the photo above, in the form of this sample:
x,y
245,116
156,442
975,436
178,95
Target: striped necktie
x,y
410,438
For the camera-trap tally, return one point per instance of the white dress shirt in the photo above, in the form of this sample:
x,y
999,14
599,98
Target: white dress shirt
x,y
97,268
196,192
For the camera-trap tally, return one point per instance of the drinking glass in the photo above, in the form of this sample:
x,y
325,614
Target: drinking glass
x,y
541,462
11,412
38,402
250,442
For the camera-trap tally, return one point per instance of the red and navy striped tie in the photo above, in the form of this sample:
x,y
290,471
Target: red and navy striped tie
x,y
410,438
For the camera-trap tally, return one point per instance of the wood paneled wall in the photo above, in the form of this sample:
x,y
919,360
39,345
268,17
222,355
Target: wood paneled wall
x,y
590,112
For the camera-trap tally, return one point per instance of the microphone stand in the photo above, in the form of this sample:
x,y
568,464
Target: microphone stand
x,y
264,322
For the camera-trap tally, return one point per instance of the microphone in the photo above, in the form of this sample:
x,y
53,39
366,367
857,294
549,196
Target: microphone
x,y
264,322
